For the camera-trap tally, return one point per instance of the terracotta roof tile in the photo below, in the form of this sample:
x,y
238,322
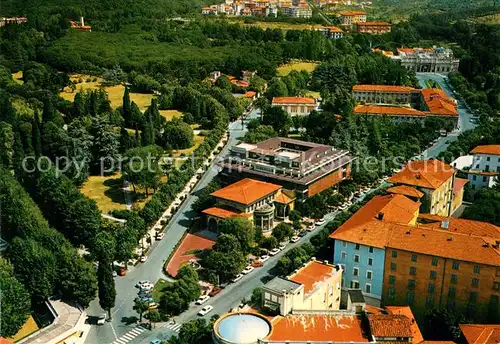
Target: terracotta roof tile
x,y
483,173
406,311
481,334
352,13
312,275
250,94
387,110
383,325
293,100
459,184
438,102
436,342
223,213
463,226
383,88
246,191
429,174
319,328
334,29
487,149
406,191
283,199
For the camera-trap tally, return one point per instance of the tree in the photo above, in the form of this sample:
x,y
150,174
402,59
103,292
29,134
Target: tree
x,y
36,136
277,88
106,284
227,243
278,118
14,299
282,231
240,228
263,132
270,243
50,114
442,324
6,144
104,246
142,167
126,108
486,207
224,265
256,298
106,145
140,307
194,332
224,83
177,135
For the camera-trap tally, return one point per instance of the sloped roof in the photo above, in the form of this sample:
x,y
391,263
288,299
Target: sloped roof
x,y
293,100
481,334
438,102
386,110
283,199
463,226
220,213
374,23
406,311
384,325
352,13
459,184
246,191
487,149
312,275
429,174
406,191
383,88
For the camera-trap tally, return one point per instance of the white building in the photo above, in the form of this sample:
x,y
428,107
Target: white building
x,y
485,168
296,106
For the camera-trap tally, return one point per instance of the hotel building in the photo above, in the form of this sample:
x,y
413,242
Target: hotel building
x,y
348,18
373,27
296,106
434,60
485,169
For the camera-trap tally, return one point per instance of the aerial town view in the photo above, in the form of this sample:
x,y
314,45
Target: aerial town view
x,y
249,171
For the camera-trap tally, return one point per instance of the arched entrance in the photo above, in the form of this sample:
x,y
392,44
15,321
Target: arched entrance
x,y
213,225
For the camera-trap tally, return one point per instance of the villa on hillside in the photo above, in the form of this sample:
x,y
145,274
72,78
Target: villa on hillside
x,y
296,106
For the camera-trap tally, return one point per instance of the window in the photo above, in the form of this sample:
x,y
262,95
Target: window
x,y
356,258
429,302
485,178
390,293
453,279
451,304
274,298
411,284
410,297
455,265
370,261
344,255
413,270
487,168
413,257
369,274
357,246
475,282
354,284
430,288
451,292
394,254
267,296
473,297
393,266
487,158
392,280
368,288
477,269
494,301
496,286
370,249
355,272
434,261
344,243
474,177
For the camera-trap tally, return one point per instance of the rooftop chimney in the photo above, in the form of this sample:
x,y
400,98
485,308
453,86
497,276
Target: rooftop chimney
x,y
380,215
417,176
445,224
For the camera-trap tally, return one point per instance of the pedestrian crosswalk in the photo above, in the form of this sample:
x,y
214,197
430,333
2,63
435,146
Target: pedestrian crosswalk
x,y
176,327
130,335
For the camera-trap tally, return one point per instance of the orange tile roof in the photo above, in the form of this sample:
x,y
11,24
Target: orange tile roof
x,y
483,173
487,149
429,174
250,94
246,191
481,334
334,29
406,311
220,213
4,341
293,100
459,185
406,191
436,342
312,275
363,225
386,110
374,23
462,226
352,13
438,102
283,199
383,88
318,327
383,325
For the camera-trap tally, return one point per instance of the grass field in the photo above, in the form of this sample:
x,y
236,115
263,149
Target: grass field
x,y
296,65
157,290
106,191
313,94
115,93
170,114
431,84
492,19
28,328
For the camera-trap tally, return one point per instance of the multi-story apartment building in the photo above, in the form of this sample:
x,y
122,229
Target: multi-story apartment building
x,y
373,27
302,10
385,94
434,60
363,262
348,18
485,168
296,106
313,287
332,32
435,179
302,168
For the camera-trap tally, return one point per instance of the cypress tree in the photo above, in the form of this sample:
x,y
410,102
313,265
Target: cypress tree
x,y
125,140
126,106
50,114
35,135
18,153
106,284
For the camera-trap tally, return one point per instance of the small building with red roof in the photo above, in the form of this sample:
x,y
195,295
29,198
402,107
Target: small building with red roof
x,y
296,106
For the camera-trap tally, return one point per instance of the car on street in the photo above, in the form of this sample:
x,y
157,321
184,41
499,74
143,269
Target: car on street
x,y
247,270
264,258
282,246
343,207
147,286
144,258
202,299
140,283
311,228
160,236
274,251
320,222
237,278
115,273
215,291
101,320
205,310
302,234
155,341
153,305
294,239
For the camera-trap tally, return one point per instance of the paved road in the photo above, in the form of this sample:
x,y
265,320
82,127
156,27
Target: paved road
x,y
464,123
116,330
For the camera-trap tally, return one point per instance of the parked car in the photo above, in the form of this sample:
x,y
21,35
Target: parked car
x,y
274,251
282,246
101,320
140,283
237,277
153,305
247,270
264,258
215,291
205,310
155,341
147,286
320,222
302,234
160,236
311,228
122,272
115,273
202,299
294,239
144,258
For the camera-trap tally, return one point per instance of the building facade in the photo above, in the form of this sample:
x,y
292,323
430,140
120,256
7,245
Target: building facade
x,y
302,168
348,18
373,27
434,60
385,94
332,32
296,106
485,168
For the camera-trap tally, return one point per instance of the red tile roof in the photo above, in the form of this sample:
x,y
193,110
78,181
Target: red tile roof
x,y
334,29
319,328
352,13
463,226
4,341
429,174
383,88
483,173
481,334
487,149
406,191
283,199
459,185
246,191
293,100
220,213
383,325
312,275
387,110
250,94
438,102
406,311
